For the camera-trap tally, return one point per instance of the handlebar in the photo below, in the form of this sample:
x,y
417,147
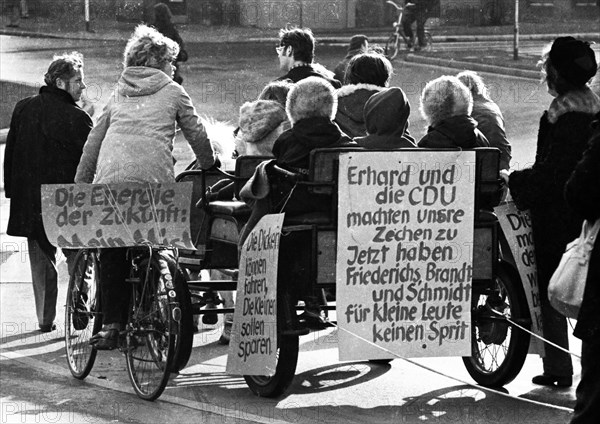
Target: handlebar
x,y
394,4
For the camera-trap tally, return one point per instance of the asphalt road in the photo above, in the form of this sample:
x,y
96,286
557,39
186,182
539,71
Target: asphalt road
x,y
35,382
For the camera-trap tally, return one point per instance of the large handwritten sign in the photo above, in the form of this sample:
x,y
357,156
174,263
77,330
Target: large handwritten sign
x,y
516,226
253,346
404,254
117,215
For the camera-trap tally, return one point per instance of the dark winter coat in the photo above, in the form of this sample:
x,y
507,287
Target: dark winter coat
x,y
456,131
583,196
44,145
292,148
292,151
350,111
491,123
563,136
301,72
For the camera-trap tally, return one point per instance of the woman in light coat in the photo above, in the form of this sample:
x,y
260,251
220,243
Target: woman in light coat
x,y
133,142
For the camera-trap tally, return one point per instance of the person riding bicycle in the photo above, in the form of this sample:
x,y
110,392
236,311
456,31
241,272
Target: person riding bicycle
x,y
416,10
133,142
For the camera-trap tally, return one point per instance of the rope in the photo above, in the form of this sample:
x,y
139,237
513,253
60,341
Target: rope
x,y
410,361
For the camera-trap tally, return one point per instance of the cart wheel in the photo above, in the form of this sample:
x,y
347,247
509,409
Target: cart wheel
x,y
499,350
151,329
184,340
277,384
392,46
82,316
429,40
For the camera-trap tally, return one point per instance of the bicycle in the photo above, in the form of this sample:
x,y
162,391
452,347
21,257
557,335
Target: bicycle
x,y
392,45
158,336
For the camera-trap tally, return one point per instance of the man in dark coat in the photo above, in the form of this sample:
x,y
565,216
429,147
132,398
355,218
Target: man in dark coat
x,y
44,144
416,10
583,196
296,52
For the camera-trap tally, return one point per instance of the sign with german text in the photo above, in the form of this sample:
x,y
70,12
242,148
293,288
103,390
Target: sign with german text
x,y
404,254
516,226
253,345
117,215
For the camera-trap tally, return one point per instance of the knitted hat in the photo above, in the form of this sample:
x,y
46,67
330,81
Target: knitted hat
x,y
358,41
573,59
311,97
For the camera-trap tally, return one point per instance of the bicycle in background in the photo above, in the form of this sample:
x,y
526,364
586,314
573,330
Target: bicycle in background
x,y
394,43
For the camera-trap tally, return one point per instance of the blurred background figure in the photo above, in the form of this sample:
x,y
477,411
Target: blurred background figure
x,y
358,44
163,22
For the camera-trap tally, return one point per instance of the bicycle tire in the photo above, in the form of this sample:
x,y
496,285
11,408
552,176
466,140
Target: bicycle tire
x,y
151,329
83,318
278,383
499,350
392,46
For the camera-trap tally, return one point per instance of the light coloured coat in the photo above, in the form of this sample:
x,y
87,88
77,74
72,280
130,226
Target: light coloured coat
x,y
133,139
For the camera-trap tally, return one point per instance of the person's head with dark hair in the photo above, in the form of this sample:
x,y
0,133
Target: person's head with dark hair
x,y
66,72
148,47
369,68
358,43
297,45
568,64
276,91
162,16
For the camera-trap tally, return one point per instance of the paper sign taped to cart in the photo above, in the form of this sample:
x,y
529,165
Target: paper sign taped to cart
x,y
253,345
516,226
117,215
404,254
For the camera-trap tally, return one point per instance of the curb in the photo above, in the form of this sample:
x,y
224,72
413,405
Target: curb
x,y
479,67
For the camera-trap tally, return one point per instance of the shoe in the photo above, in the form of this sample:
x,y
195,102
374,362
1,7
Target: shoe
x,y
210,318
47,328
81,314
226,334
105,339
552,380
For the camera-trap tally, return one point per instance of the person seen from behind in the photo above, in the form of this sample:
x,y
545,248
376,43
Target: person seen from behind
x,y
446,105
133,142
358,44
567,66
488,116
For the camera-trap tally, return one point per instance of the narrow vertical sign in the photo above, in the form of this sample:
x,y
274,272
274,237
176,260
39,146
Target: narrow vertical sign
x,y
253,346
404,254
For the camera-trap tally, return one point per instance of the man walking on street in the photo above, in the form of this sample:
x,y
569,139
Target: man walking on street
x,y
415,10
44,144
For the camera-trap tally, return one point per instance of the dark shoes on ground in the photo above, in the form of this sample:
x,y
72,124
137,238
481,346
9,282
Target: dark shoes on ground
x,y
552,380
47,328
226,334
105,339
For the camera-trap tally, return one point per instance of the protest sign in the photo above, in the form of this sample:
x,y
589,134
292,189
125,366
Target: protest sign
x,y
404,253
253,345
516,226
117,215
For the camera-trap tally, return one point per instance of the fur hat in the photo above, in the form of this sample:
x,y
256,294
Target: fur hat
x,y
312,97
444,97
259,118
573,59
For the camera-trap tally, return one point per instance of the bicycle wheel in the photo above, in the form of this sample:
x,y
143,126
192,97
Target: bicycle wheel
x,y
82,313
277,384
499,350
392,46
429,42
151,328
